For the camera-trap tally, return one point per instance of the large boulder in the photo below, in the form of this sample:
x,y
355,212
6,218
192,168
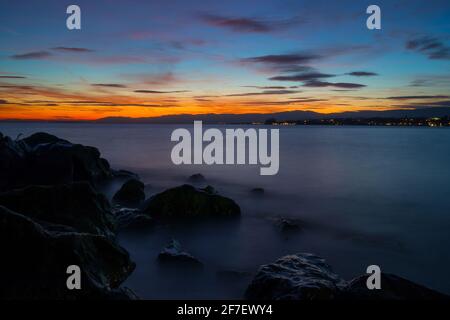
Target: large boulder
x,y
131,194
75,205
45,159
300,276
188,202
392,288
35,261
305,276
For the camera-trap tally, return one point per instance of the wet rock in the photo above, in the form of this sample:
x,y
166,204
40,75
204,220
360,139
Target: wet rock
x,y
285,225
197,178
301,276
131,194
188,202
305,276
392,288
44,159
75,205
174,254
35,261
128,218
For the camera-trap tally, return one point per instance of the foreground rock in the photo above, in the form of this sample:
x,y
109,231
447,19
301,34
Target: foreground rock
x,y
393,288
305,276
173,254
188,202
128,218
295,277
75,205
35,260
44,159
131,194
197,178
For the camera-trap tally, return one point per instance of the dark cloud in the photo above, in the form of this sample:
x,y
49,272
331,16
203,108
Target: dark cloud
x,y
431,47
109,85
362,74
71,49
156,91
266,92
12,77
282,59
247,25
302,77
16,87
417,97
32,55
266,87
321,84
3,101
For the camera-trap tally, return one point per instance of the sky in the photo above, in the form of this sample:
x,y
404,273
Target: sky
x,y
151,58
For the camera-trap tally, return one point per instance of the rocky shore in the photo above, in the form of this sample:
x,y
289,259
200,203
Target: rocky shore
x,y
53,213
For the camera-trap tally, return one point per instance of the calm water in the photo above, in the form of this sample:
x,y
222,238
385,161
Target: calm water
x,y
367,196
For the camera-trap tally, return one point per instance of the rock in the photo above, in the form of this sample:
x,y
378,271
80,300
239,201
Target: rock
x,y
197,178
301,276
392,288
131,194
209,190
285,225
305,276
35,261
174,254
257,191
44,159
131,218
187,202
75,205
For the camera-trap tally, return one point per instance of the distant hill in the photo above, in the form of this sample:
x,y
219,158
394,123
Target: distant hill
x,y
281,116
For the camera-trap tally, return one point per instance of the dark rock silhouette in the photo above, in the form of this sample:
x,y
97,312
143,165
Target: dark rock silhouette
x,y
393,288
75,205
295,277
197,178
173,254
188,202
35,261
44,159
285,225
131,194
304,276
128,218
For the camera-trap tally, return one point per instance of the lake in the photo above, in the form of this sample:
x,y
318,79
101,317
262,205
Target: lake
x,y
366,195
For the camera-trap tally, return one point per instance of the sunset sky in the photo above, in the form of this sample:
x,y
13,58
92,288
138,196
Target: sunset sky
x,y
150,58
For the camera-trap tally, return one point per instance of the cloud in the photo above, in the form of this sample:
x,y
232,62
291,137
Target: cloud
x,y
32,55
281,59
321,84
3,101
109,85
72,49
417,97
362,74
302,77
12,77
247,25
432,47
267,87
265,92
158,79
157,92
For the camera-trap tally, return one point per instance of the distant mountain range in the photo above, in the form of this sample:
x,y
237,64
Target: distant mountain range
x,y
281,116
